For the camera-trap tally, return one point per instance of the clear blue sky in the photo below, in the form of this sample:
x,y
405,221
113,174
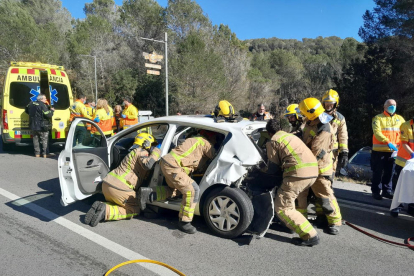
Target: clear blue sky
x,y
275,18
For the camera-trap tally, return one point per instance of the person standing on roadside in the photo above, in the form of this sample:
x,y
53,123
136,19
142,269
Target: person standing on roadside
x,y
385,140
78,109
261,114
40,116
129,114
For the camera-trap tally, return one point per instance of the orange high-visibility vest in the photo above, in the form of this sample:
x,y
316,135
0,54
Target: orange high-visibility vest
x,y
407,137
131,113
386,130
105,121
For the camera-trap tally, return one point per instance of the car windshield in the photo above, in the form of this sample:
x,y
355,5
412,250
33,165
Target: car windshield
x,y
362,158
21,93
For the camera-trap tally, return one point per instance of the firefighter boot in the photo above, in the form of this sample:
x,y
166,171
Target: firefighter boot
x,y
145,195
333,229
99,214
310,242
89,215
186,227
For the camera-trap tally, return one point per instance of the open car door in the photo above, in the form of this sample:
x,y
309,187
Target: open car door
x,y
84,161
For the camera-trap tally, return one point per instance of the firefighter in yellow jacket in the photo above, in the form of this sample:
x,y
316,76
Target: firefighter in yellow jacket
x,y
120,185
295,119
291,159
78,109
317,135
385,140
129,116
176,167
330,102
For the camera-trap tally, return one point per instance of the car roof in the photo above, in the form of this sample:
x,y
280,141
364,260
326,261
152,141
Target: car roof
x,y
205,120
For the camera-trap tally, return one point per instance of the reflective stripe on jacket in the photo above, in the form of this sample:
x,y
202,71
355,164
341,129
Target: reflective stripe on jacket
x,y
340,131
386,130
319,138
292,155
190,153
78,109
105,122
133,170
131,113
407,137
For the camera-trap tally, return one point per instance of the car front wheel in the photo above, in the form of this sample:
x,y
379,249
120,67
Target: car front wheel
x,y
228,212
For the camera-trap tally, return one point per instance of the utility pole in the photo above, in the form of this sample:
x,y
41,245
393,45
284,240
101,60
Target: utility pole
x,y
96,80
165,41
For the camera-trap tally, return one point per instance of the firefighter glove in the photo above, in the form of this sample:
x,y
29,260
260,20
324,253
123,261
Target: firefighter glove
x,y
343,159
392,147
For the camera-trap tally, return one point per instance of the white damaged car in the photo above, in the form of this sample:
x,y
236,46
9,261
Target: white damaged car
x,y
224,201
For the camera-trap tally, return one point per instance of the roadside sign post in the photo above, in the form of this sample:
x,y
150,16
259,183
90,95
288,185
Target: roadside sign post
x,y
153,58
96,80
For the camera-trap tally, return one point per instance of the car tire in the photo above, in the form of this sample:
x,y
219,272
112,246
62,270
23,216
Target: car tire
x,y
228,212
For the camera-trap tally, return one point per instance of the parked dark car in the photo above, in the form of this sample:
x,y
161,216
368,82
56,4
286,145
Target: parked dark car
x,y
359,166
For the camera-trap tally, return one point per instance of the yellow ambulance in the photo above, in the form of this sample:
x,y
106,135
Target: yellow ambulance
x,y
22,85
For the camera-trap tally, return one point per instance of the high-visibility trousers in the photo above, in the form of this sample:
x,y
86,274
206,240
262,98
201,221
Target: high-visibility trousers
x,y
326,203
176,178
285,206
120,204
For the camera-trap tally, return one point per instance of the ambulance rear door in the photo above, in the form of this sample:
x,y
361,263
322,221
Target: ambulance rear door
x,y
84,162
60,97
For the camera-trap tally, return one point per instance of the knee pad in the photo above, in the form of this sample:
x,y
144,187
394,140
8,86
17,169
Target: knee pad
x,y
326,206
196,192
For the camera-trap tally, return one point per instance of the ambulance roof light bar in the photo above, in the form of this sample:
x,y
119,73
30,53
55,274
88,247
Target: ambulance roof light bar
x,y
36,65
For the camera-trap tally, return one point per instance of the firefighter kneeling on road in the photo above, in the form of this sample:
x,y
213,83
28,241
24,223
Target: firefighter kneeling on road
x,y
119,186
317,135
289,156
176,167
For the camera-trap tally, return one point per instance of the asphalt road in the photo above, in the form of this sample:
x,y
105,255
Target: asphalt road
x,y
40,237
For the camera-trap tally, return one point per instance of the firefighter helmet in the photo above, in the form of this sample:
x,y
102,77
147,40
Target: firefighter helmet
x,y
311,108
292,109
144,140
225,109
331,96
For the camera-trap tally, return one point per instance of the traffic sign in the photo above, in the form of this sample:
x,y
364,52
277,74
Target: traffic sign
x,y
153,72
155,66
153,57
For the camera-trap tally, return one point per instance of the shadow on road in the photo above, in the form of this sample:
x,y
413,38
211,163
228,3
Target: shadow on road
x,y
28,150
381,222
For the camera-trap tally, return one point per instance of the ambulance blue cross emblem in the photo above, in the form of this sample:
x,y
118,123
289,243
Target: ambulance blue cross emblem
x,y
53,93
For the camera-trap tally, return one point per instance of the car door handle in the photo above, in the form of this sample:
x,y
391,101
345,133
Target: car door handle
x,y
57,119
89,162
90,167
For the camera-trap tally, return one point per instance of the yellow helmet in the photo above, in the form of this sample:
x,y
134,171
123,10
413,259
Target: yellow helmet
x,y
330,96
144,140
292,109
225,109
311,108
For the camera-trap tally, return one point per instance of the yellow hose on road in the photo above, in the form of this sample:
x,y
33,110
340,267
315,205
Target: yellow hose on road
x,y
145,261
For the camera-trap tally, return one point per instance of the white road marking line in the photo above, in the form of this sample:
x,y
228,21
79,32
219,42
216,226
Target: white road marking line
x,y
98,239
